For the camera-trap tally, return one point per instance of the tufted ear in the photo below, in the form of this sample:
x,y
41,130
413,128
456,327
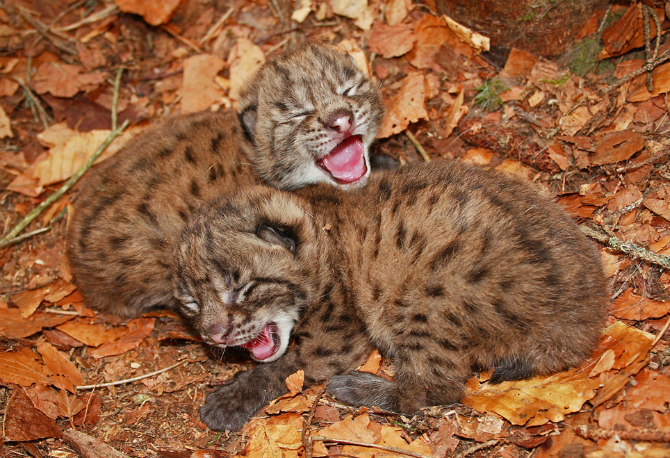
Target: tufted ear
x,y
248,121
276,235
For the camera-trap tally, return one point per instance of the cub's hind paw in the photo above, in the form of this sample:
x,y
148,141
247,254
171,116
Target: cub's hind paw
x,y
227,408
364,389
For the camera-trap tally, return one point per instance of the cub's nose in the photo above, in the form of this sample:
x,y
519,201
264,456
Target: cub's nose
x,y
218,333
340,121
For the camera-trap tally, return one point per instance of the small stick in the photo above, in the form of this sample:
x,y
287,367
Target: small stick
x,y
629,248
35,101
476,448
649,66
95,17
216,26
23,237
654,158
6,240
129,380
365,444
305,438
660,334
418,146
642,434
184,40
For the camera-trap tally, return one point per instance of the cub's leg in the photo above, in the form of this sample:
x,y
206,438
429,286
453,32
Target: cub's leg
x,y
327,341
421,380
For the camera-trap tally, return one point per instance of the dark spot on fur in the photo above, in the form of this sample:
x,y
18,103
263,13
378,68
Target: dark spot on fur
x,y
420,318
188,154
453,319
510,318
144,210
165,152
443,257
448,345
322,352
216,142
376,293
400,236
413,187
195,189
400,303
477,274
384,191
435,290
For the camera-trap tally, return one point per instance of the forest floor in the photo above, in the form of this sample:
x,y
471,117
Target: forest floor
x,y
581,127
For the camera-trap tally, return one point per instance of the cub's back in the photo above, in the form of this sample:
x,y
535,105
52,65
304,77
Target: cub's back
x,y
131,210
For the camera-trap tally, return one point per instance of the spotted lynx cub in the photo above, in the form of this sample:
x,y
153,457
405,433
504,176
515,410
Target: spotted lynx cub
x,y
308,116
446,268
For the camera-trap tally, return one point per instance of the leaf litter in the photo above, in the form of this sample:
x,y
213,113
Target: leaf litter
x,y
596,141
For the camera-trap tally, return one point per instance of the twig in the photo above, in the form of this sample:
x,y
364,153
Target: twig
x,y
35,101
642,434
115,98
629,248
365,444
95,17
216,26
649,160
57,311
305,438
169,28
649,66
660,334
417,145
476,448
7,239
129,380
23,237
62,42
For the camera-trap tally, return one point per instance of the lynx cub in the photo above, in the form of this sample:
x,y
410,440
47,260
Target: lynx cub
x,y
445,268
308,116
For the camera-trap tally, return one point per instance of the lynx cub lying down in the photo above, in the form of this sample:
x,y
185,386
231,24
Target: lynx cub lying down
x,y
444,267
308,116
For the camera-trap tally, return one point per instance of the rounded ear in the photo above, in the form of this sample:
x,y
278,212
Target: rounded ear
x,y
248,118
278,235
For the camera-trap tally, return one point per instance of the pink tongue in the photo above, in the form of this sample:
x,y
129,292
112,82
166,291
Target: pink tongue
x,y
263,346
346,162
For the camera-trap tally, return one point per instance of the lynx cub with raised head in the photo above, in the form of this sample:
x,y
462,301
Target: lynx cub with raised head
x,y
308,116
446,268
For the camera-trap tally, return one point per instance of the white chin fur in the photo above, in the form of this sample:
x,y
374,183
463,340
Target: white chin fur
x,y
285,323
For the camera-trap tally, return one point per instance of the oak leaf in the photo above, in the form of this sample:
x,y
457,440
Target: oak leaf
x,y
63,373
155,12
199,91
391,40
22,367
65,80
407,106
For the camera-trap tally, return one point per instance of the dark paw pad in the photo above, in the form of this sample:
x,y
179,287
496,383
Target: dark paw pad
x,y
364,389
228,408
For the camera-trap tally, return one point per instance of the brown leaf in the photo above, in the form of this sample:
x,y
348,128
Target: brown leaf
x,y
14,326
352,9
69,405
661,79
5,124
519,63
295,381
617,146
244,60
71,150
139,328
658,206
372,363
26,185
292,403
199,91
443,440
155,12
91,413
45,399
630,306
624,197
65,80
92,334
395,11
407,106
651,391
24,422
391,40
431,33
60,369
22,367
278,436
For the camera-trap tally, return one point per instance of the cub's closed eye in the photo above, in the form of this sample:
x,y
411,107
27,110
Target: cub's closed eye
x,y
191,306
277,236
301,114
350,91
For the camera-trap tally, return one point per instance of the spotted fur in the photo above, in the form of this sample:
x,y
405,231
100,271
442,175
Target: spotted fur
x,y
446,268
132,208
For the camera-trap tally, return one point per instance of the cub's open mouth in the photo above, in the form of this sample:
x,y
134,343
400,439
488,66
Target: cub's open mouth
x,y
265,344
346,162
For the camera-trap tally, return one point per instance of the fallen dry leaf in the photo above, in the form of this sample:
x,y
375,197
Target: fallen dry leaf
x,y
244,60
391,40
71,152
617,146
407,106
14,326
431,33
24,422
349,8
65,80
199,91
22,367
372,363
139,328
650,391
28,301
519,63
92,334
395,11
155,12
69,405
292,403
630,306
661,79
5,125
475,40
45,399
542,399
295,381
658,206
62,372
277,436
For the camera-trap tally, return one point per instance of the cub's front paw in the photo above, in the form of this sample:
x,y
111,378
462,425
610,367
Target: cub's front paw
x,y
229,407
364,389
